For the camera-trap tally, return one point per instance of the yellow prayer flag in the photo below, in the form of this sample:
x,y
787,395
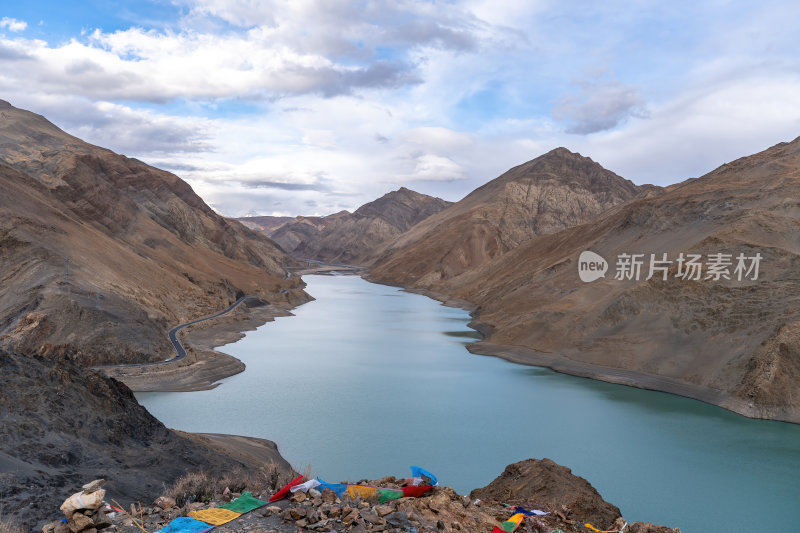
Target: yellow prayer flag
x,y
215,517
359,491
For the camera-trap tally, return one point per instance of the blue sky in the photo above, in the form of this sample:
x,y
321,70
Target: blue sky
x,y
311,106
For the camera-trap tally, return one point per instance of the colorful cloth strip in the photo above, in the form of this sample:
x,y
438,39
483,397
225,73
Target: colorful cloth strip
x,y
361,491
590,526
420,472
521,509
281,494
384,495
216,516
338,488
307,486
184,524
244,503
510,525
414,492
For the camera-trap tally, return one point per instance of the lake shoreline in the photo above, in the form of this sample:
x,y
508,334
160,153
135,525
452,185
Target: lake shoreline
x,y
204,366
528,357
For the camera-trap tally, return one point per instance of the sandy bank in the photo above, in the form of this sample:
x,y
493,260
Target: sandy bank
x,y
204,366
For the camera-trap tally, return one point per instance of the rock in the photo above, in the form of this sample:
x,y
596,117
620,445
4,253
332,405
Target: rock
x,y
271,510
398,519
100,519
94,486
297,513
298,496
543,483
371,516
350,516
165,502
61,528
79,522
639,527
314,493
82,500
51,527
328,496
383,510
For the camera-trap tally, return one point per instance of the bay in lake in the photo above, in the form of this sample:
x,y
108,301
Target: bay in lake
x,y
367,380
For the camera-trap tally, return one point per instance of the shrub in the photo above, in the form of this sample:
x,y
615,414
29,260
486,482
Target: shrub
x,y
203,486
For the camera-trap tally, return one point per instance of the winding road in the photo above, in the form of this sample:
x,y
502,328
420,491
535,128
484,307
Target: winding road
x,y
180,351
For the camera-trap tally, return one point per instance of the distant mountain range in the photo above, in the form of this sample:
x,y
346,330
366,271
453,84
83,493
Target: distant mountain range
x,y
701,296
101,253
692,289
555,191
350,238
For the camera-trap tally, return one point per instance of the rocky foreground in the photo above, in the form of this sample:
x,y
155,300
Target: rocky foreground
x,y
564,502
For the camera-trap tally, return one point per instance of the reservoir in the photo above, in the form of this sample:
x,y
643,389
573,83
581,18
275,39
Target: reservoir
x,y
367,380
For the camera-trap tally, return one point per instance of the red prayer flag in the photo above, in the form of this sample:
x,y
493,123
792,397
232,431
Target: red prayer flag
x,y
415,492
285,490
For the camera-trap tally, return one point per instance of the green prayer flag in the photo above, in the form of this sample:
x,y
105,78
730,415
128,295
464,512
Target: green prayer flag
x,y
244,503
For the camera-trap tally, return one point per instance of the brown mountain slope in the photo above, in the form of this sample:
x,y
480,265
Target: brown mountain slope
x,y
100,253
552,192
85,427
302,228
356,238
730,342
264,224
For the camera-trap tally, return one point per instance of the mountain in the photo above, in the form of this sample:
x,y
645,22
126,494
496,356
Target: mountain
x,y
732,341
62,425
355,238
102,253
303,229
264,224
557,190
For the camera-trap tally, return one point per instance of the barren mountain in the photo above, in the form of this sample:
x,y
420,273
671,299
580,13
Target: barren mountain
x,y
62,426
725,330
301,229
264,224
355,238
552,192
100,253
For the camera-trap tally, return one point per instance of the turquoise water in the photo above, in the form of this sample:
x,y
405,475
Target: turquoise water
x,y
367,380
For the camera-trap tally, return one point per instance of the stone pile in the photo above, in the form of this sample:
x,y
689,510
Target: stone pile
x,y
569,502
84,511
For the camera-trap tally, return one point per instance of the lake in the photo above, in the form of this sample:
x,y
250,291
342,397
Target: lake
x,y
367,380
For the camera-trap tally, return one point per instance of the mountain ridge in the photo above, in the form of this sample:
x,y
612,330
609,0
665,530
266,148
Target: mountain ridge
x,y
730,342
101,253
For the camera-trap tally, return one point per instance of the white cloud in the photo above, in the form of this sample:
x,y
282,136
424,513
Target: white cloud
x,y
283,106
600,105
13,24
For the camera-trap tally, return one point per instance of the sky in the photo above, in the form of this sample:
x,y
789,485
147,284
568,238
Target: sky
x,y
289,107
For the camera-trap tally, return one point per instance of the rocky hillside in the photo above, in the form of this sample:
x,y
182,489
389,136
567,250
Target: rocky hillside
x,y
555,191
300,229
62,426
562,501
264,224
101,253
356,238
701,296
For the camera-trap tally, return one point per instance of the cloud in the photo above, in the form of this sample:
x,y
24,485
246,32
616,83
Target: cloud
x,y
431,167
285,185
600,105
13,24
124,129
